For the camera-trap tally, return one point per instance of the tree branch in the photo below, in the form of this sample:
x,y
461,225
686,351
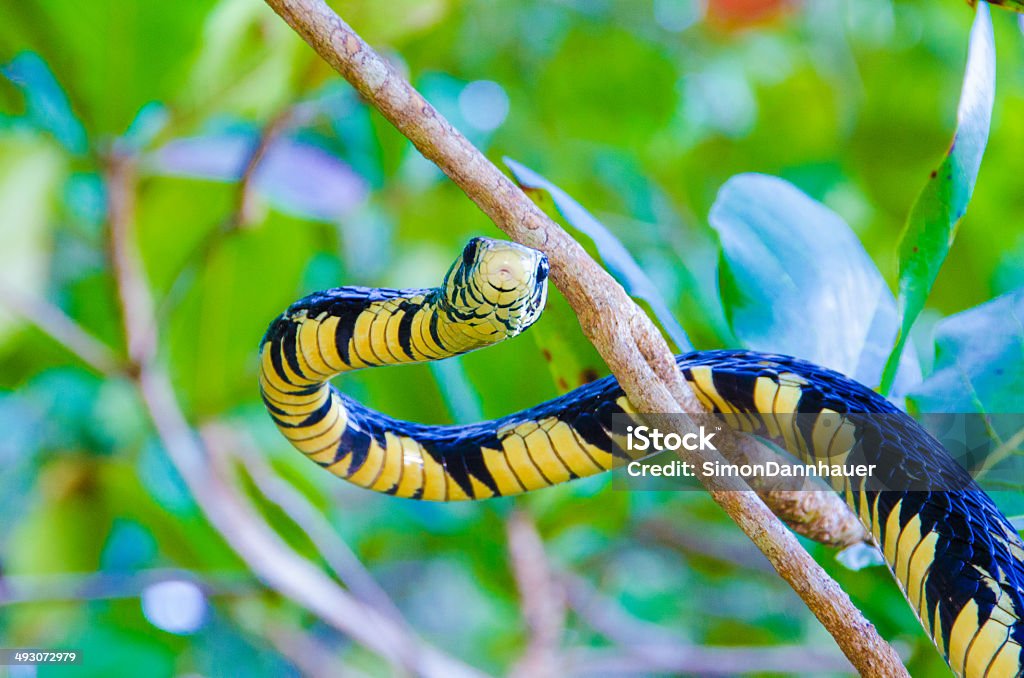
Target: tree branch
x,y
542,600
246,205
336,553
229,511
627,340
63,330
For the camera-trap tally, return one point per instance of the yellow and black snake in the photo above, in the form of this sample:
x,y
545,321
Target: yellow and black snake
x,y
957,559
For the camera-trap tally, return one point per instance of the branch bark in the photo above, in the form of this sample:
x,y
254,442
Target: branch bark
x,y
627,340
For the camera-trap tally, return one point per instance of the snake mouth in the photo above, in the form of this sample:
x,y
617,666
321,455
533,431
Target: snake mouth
x,y
508,268
503,289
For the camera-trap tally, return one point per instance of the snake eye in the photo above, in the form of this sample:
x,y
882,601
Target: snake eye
x,y
469,254
542,270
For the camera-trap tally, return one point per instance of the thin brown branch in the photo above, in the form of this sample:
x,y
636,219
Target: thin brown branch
x,y
336,553
62,329
627,340
137,309
811,509
245,209
542,600
229,511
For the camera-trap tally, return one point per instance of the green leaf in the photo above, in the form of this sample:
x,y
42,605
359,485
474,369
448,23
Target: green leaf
x,y
245,64
979,361
979,370
457,391
571,359
616,257
46,105
932,224
110,57
30,173
212,344
795,279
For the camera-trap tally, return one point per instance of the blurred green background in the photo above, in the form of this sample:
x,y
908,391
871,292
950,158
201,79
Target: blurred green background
x,y
640,110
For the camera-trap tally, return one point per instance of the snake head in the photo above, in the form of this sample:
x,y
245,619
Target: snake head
x,y
496,288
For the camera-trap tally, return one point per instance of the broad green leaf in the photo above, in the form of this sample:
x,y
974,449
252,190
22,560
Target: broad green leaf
x,y
460,397
979,370
174,219
616,257
932,224
72,517
979,361
296,177
796,280
30,173
247,62
214,334
571,359
112,57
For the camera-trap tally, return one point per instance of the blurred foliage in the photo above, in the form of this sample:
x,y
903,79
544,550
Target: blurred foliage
x,y
642,111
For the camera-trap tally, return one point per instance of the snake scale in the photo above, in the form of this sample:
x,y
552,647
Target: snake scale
x,y
957,559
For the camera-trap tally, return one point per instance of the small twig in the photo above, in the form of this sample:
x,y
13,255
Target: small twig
x,y
63,330
246,205
625,337
611,620
132,288
336,553
542,599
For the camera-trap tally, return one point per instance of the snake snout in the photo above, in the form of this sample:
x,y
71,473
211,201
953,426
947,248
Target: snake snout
x,y
510,269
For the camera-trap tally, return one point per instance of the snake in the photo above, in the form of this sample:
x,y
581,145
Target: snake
x,y
957,559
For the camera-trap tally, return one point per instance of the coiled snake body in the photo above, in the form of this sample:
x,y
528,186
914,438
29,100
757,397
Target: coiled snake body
x,y
957,559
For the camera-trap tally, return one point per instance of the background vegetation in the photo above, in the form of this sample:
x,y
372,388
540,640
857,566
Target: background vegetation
x,y
641,111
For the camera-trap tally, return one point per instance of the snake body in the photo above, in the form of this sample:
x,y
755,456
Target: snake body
x,y
955,556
